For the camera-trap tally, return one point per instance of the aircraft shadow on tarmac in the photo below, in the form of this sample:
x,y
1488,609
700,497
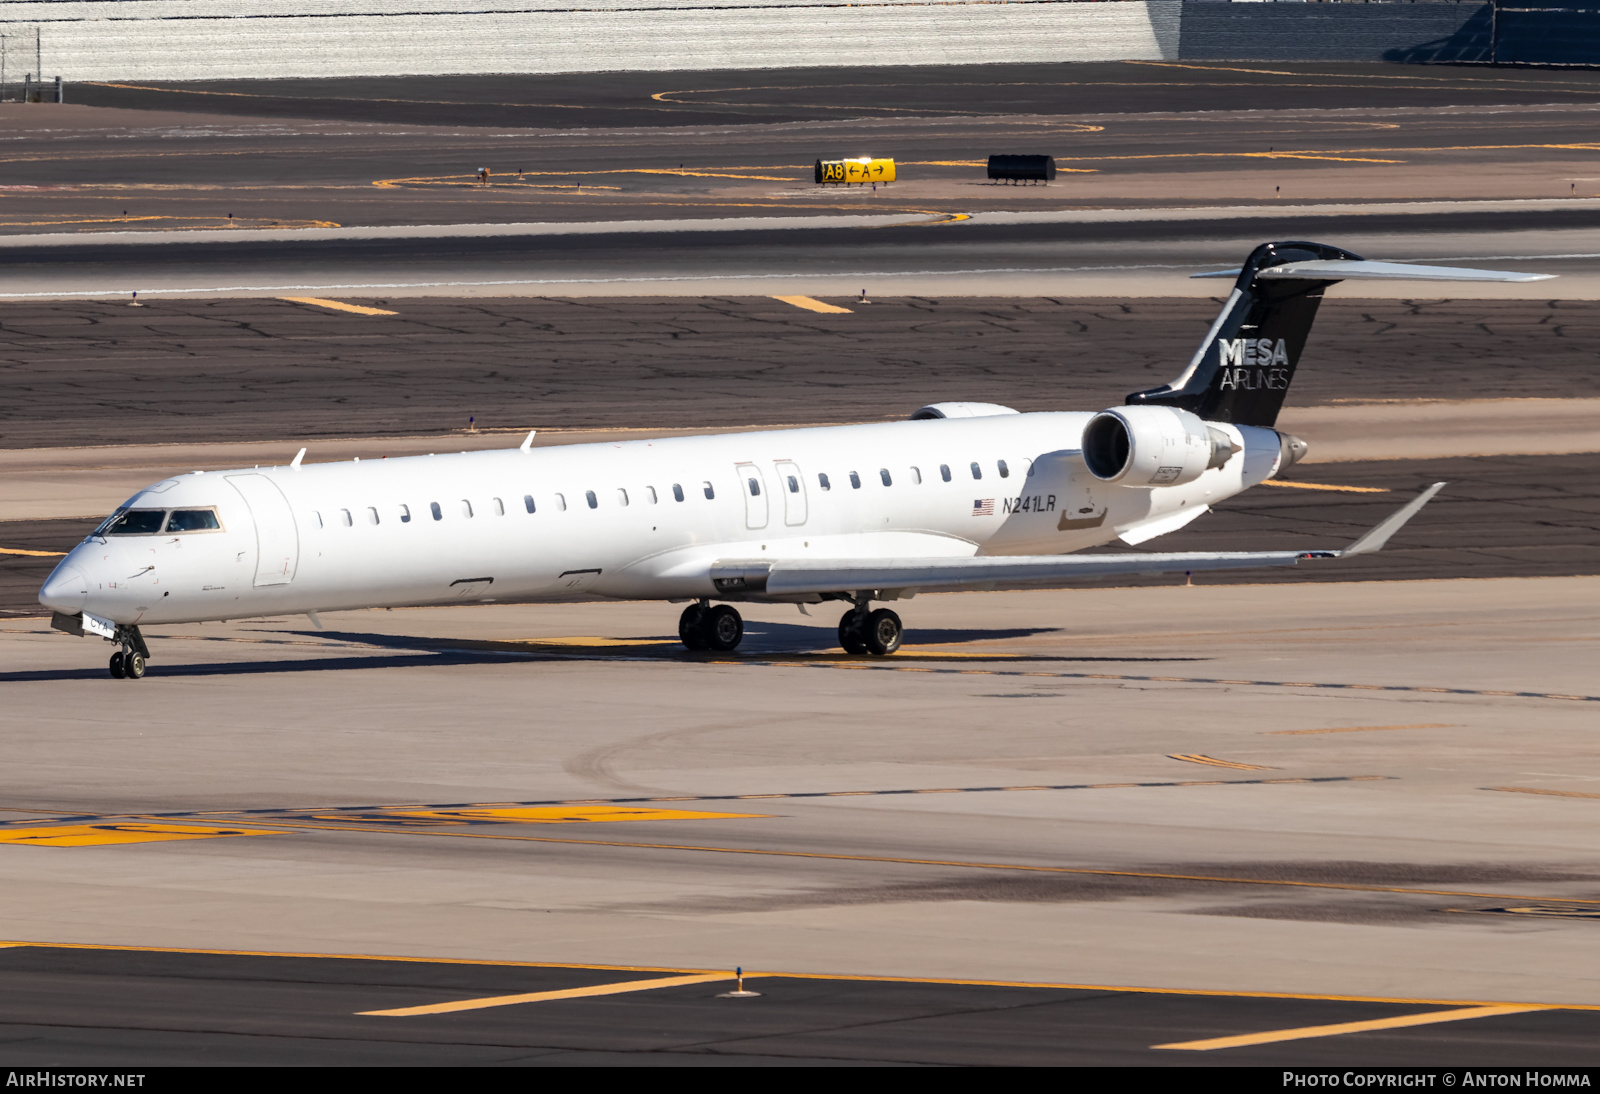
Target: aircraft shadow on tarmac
x,y
764,641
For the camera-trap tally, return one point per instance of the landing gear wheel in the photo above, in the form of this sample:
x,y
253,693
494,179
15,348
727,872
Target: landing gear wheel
x,y
883,632
850,636
116,666
723,628
691,627
133,665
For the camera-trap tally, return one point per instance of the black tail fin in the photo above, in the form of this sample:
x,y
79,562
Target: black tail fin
x,y
1241,372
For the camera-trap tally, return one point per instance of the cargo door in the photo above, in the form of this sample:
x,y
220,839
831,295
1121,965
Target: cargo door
x,y
277,536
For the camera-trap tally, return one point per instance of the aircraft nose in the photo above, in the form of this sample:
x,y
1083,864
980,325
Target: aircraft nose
x,y
65,590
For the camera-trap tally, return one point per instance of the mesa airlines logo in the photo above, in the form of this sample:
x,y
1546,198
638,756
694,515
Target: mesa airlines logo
x,y
1254,364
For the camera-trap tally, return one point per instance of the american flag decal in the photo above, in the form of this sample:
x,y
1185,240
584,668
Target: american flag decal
x,y
983,507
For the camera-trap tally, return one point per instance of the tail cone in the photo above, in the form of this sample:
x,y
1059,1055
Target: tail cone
x,y
1291,450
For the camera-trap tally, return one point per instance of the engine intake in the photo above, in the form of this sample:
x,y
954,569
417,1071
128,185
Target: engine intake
x,y
1150,446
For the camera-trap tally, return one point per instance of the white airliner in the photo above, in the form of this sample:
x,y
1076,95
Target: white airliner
x,y
961,496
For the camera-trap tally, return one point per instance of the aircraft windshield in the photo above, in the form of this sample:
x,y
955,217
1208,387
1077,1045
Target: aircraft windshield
x,y
149,522
135,522
192,520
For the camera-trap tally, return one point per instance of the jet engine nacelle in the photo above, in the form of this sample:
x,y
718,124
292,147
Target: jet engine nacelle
x,y
1150,446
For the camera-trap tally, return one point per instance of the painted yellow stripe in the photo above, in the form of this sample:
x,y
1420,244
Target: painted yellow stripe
x,y
546,996
36,554
562,814
1356,729
1197,758
1430,1018
336,305
1547,793
100,835
1327,486
809,304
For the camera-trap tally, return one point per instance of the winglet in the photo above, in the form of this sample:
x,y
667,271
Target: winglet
x,y
527,442
295,463
1380,533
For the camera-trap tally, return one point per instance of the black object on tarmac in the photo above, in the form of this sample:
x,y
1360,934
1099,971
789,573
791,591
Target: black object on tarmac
x,y
1022,168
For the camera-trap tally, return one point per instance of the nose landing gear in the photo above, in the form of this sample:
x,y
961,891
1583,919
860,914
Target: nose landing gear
x,y
128,663
704,627
878,633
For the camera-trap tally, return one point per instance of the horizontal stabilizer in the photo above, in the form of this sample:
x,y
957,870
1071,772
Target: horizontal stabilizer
x,y
1363,270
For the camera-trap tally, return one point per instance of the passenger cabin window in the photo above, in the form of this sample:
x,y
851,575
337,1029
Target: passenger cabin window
x,y
794,485
594,502
755,488
405,514
855,481
499,508
137,522
883,473
372,514
318,516
822,481
1005,472
677,492
192,520
438,514
561,503
527,502
977,472
344,518
650,495
710,493
466,508
944,472
916,476
622,496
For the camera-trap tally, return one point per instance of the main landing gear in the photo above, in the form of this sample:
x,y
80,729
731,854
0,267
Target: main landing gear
x,y
128,663
704,627
878,633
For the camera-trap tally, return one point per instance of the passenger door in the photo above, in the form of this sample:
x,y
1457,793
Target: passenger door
x,y
277,536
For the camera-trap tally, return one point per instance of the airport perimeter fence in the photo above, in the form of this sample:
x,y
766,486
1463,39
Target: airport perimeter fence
x,y
183,40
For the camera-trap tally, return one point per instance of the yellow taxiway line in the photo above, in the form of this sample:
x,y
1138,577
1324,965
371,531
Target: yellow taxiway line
x,y
1547,793
336,305
809,304
1197,758
1327,486
1430,1018
546,996
36,554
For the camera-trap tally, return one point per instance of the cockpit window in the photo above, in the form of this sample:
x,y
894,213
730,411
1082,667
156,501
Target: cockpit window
x,y
192,520
135,522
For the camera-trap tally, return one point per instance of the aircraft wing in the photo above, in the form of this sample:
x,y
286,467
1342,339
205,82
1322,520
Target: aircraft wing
x,y
791,577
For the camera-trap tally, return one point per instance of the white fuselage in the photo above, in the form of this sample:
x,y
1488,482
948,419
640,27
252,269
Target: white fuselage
x,y
606,519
